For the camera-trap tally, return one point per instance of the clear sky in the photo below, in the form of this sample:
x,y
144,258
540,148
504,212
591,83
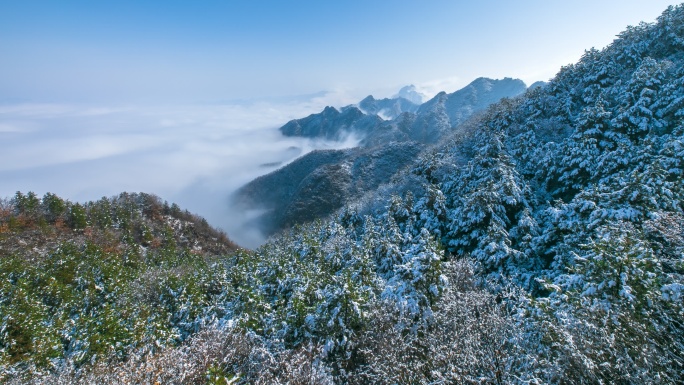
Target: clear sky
x,y
207,51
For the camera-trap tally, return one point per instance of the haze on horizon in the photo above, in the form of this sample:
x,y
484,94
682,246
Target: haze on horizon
x,y
183,99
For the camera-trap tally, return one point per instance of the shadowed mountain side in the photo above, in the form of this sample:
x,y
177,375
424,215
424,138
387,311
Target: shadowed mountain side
x,y
281,184
331,123
321,182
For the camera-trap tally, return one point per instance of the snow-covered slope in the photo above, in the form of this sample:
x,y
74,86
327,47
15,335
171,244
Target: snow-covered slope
x,y
566,203
320,183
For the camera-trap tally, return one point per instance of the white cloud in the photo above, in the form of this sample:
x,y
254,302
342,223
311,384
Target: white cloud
x,y
432,87
8,127
193,155
48,150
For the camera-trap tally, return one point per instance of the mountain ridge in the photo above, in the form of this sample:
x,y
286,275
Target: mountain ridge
x,y
399,140
333,124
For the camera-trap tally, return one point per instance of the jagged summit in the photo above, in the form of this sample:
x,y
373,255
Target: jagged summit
x,y
378,120
387,109
443,112
479,94
411,94
331,123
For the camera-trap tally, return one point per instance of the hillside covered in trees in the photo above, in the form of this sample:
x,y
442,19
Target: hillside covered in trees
x,y
540,242
323,181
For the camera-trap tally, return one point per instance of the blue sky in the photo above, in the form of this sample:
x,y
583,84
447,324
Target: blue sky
x,y
207,51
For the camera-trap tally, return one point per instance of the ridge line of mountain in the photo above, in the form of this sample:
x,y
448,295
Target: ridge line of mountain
x,y
318,183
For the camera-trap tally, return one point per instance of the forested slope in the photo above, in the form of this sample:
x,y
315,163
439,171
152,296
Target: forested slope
x,y
319,183
567,203
87,281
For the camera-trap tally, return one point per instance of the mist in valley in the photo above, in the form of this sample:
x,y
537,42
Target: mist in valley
x,y
192,155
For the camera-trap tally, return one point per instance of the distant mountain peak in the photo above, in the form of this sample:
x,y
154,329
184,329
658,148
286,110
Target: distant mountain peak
x,y
331,123
386,108
330,110
411,94
367,99
433,118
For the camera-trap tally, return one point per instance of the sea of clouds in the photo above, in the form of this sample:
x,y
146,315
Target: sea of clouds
x,y
193,155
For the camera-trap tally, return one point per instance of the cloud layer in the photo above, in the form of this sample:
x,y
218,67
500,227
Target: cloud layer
x,y
195,155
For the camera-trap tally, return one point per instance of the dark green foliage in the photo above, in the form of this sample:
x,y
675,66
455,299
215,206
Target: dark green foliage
x,y
127,279
77,218
53,207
